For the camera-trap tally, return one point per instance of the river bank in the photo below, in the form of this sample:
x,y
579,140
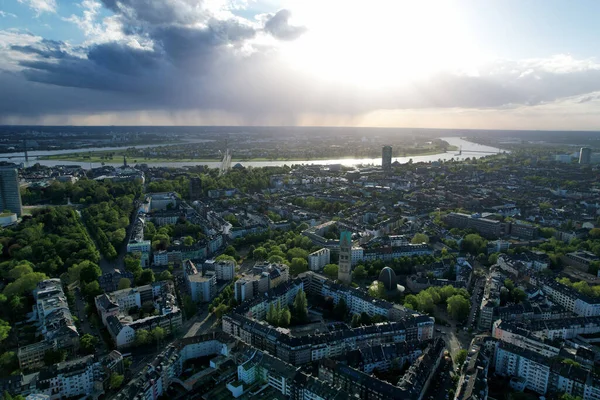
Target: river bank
x,y
112,156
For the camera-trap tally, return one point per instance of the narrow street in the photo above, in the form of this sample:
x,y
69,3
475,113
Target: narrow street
x,y
84,323
455,341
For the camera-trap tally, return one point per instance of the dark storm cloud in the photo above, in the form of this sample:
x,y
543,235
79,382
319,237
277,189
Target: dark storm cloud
x,y
278,26
22,97
45,48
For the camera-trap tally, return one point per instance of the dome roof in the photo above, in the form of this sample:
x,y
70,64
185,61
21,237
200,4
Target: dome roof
x,y
388,277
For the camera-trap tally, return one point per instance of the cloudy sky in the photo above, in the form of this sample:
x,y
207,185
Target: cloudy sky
x,y
511,64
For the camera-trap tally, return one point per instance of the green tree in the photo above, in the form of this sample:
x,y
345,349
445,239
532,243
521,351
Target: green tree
x,y
115,381
518,295
221,310
8,363
133,262
509,284
458,307
272,315
567,396
24,285
461,357
165,276
377,290
260,254
297,252
88,343
4,330
285,317
142,337
359,272
298,266
277,259
425,302
225,257
355,322
52,357
230,251
365,319
331,270
91,290
474,244
547,232
301,306
19,270
7,396
146,277
189,306
188,241
340,310
420,238
157,334
124,283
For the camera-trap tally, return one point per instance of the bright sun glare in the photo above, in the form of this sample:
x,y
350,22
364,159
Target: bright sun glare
x,y
379,43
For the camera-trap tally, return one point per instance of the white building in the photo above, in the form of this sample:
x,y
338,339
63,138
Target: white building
x,y
571,299
161,258
244,289
203,287
356,255
225,270
398,240
513,361
69,379
318,259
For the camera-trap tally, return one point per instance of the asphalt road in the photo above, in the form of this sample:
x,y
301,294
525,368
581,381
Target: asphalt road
x,y
441,383
84,323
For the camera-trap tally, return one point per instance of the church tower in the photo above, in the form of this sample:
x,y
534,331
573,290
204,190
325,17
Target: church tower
x,y
345,262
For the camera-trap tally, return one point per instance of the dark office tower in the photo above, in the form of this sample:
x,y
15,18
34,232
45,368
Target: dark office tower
x,y
585,155
10,194
195,188
386,158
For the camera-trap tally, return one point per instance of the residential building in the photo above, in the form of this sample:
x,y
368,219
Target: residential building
x,y
523,230
69,379
54,322
154,379
570,298
244,289
318,259
225,270
474,372
489,228
160,201
137,244
114,309
78,378
542,374
580,259
202,285
260,279
498,246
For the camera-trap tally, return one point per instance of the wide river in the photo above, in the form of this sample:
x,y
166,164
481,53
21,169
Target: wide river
x,y
469,150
